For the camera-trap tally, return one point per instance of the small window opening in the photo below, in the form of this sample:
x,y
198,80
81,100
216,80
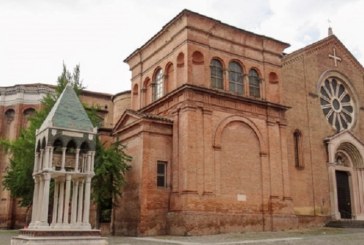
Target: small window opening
x,y
161,174
298,152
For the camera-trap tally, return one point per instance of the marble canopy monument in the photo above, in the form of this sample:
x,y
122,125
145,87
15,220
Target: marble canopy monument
x,y
64,155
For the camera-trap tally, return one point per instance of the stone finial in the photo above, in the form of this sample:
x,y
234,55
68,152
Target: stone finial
x,y
330,32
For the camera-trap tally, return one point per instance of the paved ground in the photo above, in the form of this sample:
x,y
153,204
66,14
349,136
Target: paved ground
x,y
320,236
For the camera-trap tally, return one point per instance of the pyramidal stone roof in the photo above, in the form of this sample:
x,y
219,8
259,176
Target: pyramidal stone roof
x,y
68,113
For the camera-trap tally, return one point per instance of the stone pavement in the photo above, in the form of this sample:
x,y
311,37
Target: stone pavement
x,y
318,236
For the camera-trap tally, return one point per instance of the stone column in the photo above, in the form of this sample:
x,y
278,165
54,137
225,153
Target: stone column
x,y
50,160
74,202
35,200
36,160
55,202
67,198
80,202
92,161
86,207
39,203
77,159
46,157
83,162
61,201
63,158
335,214
40,166
47,178
89,159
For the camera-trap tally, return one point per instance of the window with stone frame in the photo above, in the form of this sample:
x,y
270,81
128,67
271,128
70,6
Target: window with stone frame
x,y
298,151
254,83
337,103
158,84
236,85
216,69
161,174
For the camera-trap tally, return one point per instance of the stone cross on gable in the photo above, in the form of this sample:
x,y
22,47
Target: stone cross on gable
x,y
334,57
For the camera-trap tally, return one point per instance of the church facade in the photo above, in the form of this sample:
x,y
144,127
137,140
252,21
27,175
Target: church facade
x,y
323,85
229,134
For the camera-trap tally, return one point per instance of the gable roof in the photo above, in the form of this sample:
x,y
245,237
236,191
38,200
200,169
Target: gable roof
x,y
317,45
344,134
68,113
138,116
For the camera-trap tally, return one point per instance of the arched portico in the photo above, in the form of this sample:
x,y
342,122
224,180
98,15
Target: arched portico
x,y
346,176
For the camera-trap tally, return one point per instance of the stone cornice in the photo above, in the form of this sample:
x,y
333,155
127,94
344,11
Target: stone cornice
x,y
188,13
35,88
216,93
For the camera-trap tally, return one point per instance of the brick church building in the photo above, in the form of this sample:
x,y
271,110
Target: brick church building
x,y
228,133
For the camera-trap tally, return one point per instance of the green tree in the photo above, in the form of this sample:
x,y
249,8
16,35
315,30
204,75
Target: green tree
x,y
18,178
110,162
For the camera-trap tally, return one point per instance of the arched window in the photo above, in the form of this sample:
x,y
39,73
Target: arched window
x,y
135,97
180,71
44,143
180,59
298,151
169,78
158,85
9,115
71,147
235,78
57,146
216,74
254,83
26,115
28,112
38,146
135,89
84,147
146,92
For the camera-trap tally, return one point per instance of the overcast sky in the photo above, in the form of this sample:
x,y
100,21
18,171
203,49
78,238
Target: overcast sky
x,y
37,36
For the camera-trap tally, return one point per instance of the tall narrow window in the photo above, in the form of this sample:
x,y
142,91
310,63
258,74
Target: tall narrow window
x,y
254,83
9,115
135,97
298,153
235,78
158,85
161,174
216,74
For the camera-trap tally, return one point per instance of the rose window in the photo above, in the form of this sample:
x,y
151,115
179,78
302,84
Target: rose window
x,y
337,104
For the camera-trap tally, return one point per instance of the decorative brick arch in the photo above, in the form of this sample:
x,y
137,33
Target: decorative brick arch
x,y
227,121
345,154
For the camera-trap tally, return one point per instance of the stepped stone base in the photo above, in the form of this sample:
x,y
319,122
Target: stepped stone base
x,y
346,224
59,237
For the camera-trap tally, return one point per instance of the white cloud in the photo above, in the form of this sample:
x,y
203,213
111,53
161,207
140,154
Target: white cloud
x,y
39,35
